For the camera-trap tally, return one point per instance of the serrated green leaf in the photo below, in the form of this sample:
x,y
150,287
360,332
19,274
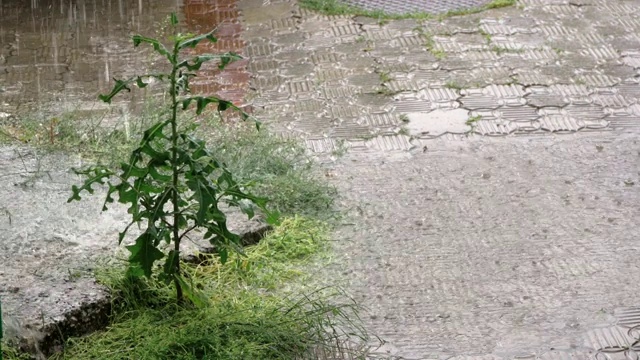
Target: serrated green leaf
x,y
224,254
227,58
204,195
128,195
109,199
247,207
117,88
97,175
157,45
186,102
144,254
122,234
141,84
201,104
192,42
156,175
224,105
196,62
217,215
129,170
273,218
155,131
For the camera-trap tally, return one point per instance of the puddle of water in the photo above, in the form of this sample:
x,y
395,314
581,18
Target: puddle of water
x,y
65,52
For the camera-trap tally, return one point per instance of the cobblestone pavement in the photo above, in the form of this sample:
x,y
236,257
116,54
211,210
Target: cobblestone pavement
x,y
492,169
427,6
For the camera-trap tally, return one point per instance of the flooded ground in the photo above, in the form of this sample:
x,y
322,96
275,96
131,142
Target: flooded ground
x,y
64,53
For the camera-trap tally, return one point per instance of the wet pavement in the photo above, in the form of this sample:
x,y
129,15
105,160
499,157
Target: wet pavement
x,y
416,6
56,56
491,171
59,55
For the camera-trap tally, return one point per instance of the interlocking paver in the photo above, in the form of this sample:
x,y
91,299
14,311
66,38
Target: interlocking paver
x,y
467,247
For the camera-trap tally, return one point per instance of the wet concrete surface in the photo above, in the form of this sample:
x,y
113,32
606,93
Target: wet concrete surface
x,y
57,56
414,6
49,249
496,249
491,174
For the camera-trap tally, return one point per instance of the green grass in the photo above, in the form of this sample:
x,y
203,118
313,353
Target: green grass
x,y
473,120
385,77
337,7
430,45
82,132
453,85
257,308
11,353
279,169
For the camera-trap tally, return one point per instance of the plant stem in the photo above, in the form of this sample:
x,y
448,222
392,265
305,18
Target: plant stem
x,y
175,171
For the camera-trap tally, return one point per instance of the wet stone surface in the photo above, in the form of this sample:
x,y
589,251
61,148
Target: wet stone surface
x,y
63,57
49,249
505,230
412,6
491,170
537,68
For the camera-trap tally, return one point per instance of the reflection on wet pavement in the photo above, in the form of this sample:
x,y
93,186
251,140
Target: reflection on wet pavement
x,y
201,16
66,52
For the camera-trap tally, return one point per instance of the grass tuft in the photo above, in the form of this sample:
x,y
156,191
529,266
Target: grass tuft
x,y
251,312
337,7
11,353
279,169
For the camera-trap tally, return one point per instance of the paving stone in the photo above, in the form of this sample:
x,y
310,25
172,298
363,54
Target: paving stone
x,y
429,6
343,92
408,106
381,120
553,67
346,111
494,127
389,143
476,102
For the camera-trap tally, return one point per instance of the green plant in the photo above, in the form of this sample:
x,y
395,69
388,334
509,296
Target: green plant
x,y
171,182
337,7
385,90
385,77
453,85
485,35
83,132
257,310
279,168
430,44
471,121
341,148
